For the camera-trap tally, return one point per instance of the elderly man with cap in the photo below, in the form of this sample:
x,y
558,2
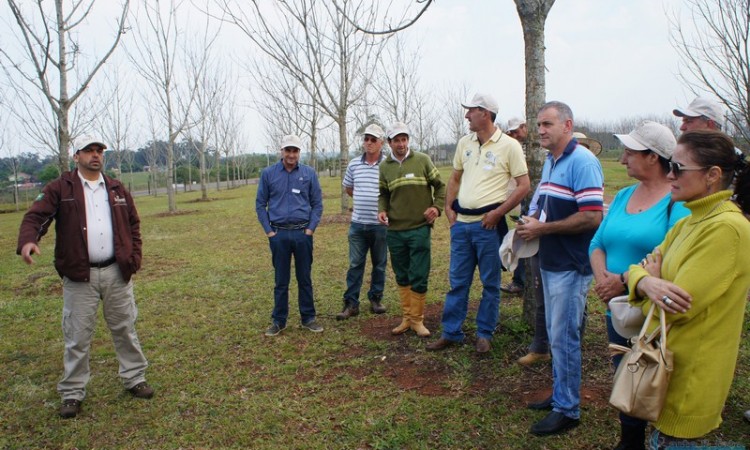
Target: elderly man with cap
x,y
517,129
97,251
701,114
638,219
411,198
569,211
476,202
365,232
289,205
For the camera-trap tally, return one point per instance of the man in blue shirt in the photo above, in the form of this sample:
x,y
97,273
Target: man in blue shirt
x,y
289,205
569,211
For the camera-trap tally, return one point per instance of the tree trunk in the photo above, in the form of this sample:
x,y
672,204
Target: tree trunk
x,y
533,15
343,161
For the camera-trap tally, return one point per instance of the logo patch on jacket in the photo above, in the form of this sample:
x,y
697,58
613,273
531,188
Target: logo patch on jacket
x,y
120,200
39,197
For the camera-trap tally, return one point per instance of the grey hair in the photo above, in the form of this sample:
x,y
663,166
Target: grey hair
x,y
563,110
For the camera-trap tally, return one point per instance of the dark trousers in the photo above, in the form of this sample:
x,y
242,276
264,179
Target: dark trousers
x,y
283,245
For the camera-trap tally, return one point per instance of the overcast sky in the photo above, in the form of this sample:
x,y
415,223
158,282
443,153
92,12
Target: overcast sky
x,y
608,59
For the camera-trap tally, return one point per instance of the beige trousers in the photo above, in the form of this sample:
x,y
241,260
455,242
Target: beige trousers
x,y
80,304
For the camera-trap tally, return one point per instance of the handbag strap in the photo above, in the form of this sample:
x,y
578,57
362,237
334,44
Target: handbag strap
x,y
660,331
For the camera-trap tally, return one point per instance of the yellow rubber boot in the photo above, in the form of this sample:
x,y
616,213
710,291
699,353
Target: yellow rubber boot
x,y
417,314
404,292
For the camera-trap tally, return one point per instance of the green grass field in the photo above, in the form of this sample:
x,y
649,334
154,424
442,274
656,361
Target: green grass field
x,y
205,296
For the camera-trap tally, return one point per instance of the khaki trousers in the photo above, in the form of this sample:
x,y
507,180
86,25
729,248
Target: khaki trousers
x,y
80,304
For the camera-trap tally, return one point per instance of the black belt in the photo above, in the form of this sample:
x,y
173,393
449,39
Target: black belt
x,y
290,226
103,264
473,211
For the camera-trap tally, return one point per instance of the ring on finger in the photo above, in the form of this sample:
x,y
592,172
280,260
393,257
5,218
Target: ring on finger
x,y
667,301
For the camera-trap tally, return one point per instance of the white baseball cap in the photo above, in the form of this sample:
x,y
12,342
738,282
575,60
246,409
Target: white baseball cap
x,y
84,141
398,128
375,131
652,136
514,123
702,106
291,140
485,101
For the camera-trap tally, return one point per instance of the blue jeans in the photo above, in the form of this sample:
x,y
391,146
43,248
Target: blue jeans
x,y
472,245
564,301
364,238
283,245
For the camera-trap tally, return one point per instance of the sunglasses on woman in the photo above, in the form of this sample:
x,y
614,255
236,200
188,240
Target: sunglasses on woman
x,y
677,168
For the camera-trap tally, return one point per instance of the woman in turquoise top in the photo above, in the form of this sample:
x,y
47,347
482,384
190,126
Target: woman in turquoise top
x,y
637,221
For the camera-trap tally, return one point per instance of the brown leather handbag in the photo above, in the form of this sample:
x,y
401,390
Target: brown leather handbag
x,y
642,378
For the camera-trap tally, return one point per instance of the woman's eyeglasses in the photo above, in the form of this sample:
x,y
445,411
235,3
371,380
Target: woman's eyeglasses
x,y
371,139
677,168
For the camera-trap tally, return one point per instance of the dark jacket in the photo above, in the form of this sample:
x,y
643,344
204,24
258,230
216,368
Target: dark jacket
x,y
63,200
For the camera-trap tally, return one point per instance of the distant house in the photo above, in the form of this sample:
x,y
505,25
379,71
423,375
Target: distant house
x,y
22,178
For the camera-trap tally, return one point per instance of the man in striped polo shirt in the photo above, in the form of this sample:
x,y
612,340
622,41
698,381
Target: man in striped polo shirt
x,y
569,212
365,232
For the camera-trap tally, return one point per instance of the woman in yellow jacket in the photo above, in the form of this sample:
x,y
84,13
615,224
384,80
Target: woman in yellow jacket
x,y
700,277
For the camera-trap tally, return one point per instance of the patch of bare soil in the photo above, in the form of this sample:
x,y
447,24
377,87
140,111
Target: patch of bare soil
x,y
420,372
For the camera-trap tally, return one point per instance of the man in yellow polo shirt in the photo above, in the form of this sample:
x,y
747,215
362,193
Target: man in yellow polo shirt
x,y
476,202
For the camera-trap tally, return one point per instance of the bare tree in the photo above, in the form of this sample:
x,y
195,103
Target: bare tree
x,y
454,113
210,91
51,53
397,89
155,56
116,119
318,46
714,47
153,152
285,106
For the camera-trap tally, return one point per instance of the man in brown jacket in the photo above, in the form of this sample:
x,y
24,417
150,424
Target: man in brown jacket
x,y
97,250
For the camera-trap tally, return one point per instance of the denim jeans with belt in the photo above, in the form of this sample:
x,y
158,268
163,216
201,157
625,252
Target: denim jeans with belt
x,y
283,245
364,238
565,300
472,245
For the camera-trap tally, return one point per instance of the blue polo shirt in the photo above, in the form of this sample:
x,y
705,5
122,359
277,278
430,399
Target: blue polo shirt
x,y
573,183
288,197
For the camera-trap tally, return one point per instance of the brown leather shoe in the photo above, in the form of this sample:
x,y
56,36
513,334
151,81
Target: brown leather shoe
x,y
483,345
376,307
440,344
349,311
70,408
142,390
533,358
